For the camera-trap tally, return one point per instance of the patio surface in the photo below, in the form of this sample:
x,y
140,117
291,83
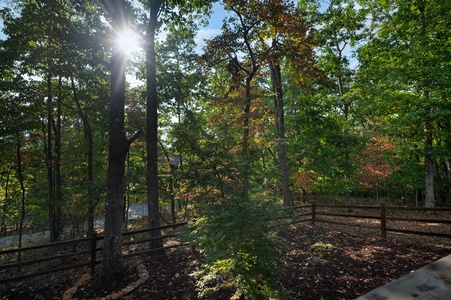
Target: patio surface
x,y
432,281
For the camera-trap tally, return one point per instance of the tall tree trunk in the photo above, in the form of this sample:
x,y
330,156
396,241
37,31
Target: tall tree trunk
x,y
429,199
88,136
58,195
3,226
250,74
126,197
22,198
429,167
112,265
245,146
447,161
171,182
429,163
54,236
341,93
447,167
280,123
152,125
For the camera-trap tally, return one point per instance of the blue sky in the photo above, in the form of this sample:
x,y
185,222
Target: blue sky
x,y
2,36
211,30
206,32
214,26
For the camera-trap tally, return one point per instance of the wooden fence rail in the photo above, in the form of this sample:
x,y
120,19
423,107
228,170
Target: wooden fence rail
x,y
307,213
380,212
90,248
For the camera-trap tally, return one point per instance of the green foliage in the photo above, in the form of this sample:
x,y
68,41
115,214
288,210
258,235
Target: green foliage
x,y
404,83
321,248
240,249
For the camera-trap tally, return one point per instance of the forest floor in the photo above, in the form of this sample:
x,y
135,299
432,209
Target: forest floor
x,y
358,262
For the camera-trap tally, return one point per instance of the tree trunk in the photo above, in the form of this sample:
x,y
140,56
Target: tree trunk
x,y
341,92
447,167
126,198
171,182
112,265
246,132
429,163
429,199
88,136
4,228
245,146
58,195
276,79
152,125
22,198
447,163
54,235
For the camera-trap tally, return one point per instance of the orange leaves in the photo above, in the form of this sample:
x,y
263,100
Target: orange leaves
x,y
228,113
375,165
307,180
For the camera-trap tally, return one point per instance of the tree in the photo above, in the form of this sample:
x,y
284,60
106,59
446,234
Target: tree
x,y
238,50
157,8
152,122
238,119
375,166
404,69
276,79
117,152
38,52
17,124
179,95
87,77
290,46
339,30
69,49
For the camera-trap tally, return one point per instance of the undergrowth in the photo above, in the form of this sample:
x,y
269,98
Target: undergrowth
x,y
240,248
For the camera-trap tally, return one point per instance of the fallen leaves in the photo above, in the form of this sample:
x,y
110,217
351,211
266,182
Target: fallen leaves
x,y
357,263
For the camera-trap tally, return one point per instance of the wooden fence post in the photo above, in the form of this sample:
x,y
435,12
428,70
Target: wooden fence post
x,y
313,213
383,221
93,252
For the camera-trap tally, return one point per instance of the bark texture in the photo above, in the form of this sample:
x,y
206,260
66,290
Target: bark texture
x,y
276,79
112,265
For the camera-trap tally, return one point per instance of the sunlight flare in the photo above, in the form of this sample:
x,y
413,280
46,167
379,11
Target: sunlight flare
x,y
127,42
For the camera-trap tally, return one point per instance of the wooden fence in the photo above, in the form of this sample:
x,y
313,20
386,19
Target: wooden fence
x,y
380,213
83,252
72,254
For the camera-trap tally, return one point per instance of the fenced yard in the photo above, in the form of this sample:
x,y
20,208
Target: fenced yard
x,y
19,264
60,256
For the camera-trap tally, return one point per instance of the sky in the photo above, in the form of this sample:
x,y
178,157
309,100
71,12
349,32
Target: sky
x,y
2,36
213,28
205,32
209,31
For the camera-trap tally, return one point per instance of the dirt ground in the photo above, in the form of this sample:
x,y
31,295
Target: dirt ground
x,y
355,262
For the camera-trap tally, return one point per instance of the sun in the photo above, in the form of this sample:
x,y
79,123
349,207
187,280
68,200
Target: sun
x,y
127,41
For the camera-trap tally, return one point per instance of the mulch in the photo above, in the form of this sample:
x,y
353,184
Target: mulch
x,y
354,262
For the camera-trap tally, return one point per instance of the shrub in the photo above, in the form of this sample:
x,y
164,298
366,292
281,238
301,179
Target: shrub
x,y
240,249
